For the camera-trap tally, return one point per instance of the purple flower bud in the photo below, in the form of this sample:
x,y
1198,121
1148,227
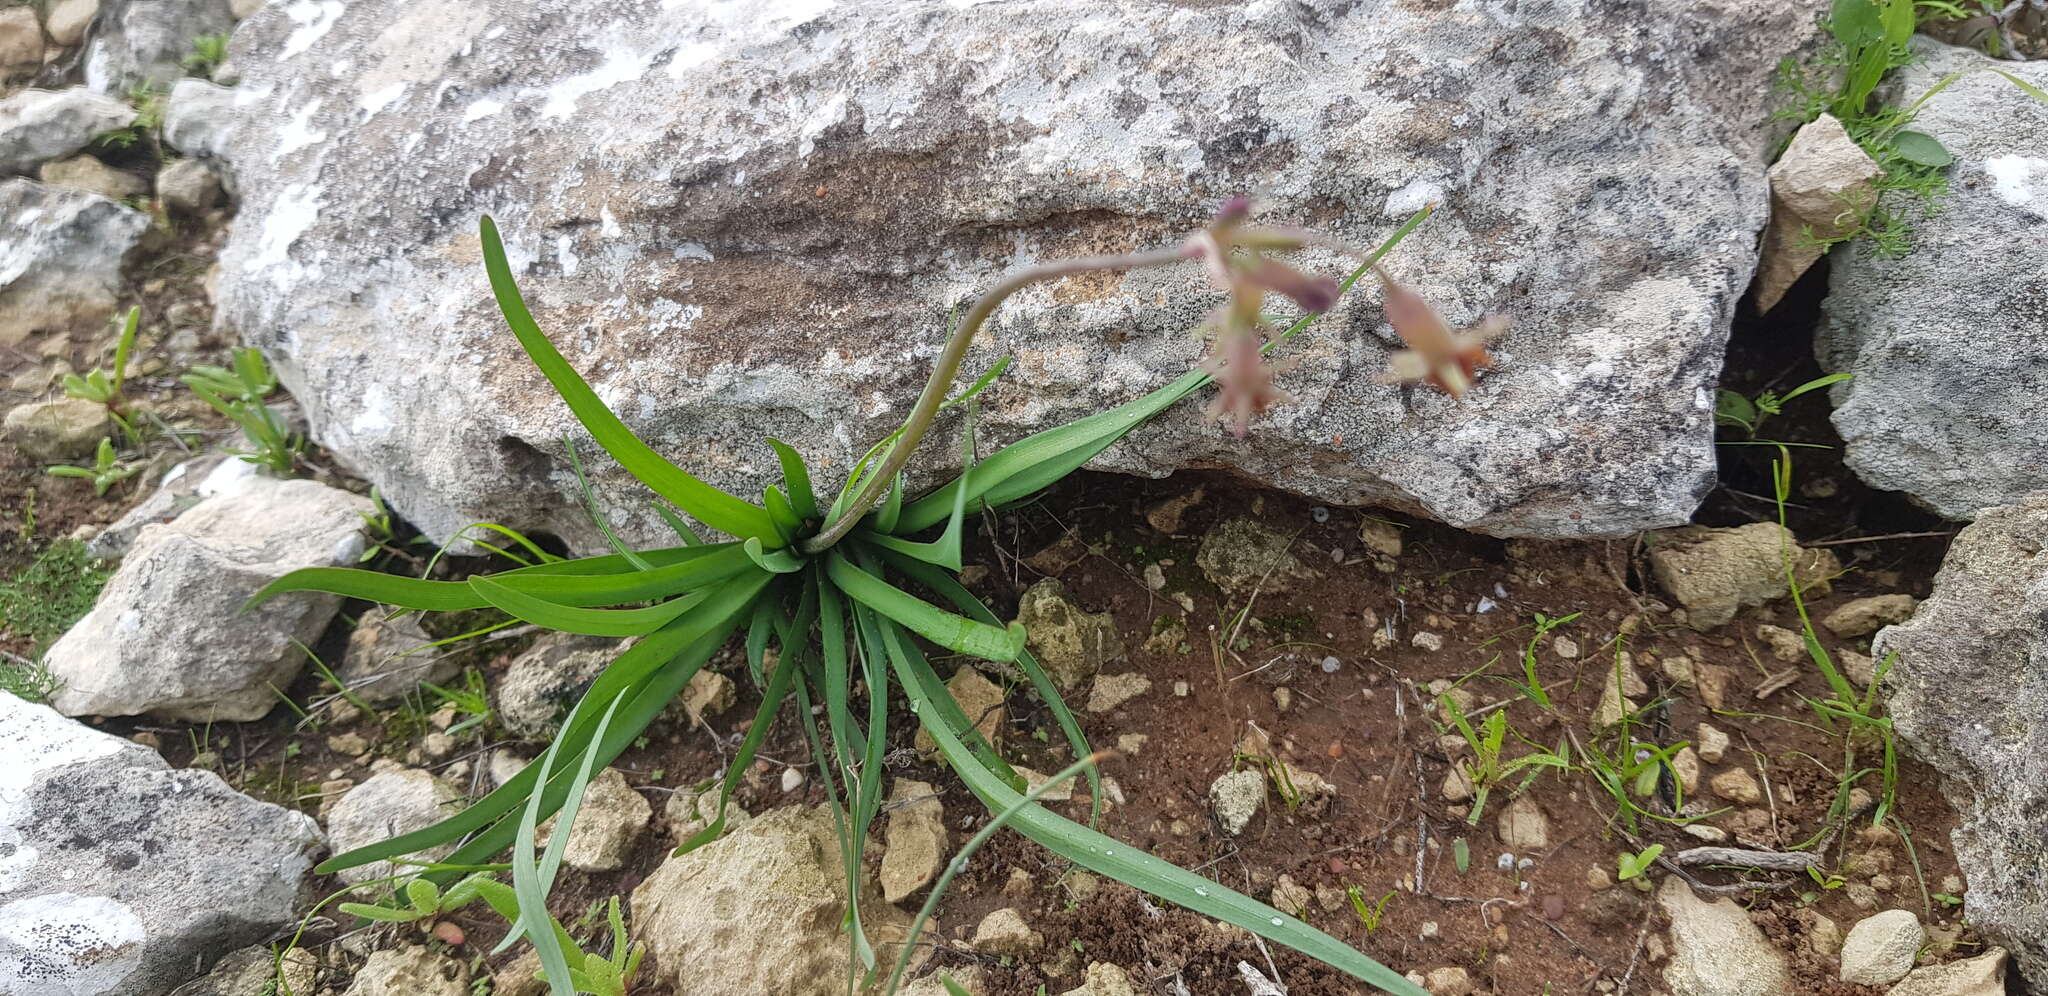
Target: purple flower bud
x,y
1234,210
1313,293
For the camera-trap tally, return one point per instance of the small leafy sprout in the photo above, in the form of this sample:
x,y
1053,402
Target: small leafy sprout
x,y
208,52
1734,410
1461,855
1631,865
424,900
601,974
471,701
238,393
1826,880
1372,915
1544,624
1487,769
1948,899
1436,355
102,388
105,472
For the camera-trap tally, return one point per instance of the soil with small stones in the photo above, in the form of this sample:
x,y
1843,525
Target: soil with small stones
x,y
1529,923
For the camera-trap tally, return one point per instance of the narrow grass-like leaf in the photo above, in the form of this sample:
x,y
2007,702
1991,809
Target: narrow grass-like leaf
x,y
772,561
945,550
787,523
707,504
891,508
387,589
1115,859
764,717
604,525
675,522
532,879
589,622
937,625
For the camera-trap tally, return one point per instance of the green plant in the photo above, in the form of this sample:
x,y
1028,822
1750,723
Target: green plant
x,y
424,900
26,679
1630,865
1534,688
148,102
238,394
799,565
1733,409
103,388
1487,769
471,701
208,52
52,592
105,472
1369,914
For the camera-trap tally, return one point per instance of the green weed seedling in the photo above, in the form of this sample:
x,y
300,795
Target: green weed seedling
x,y
424,900
1731,408
103,388
848,591
208,52
51,593
238,394
1487,769
472,701
105,472
1371,914
1631,865
148,102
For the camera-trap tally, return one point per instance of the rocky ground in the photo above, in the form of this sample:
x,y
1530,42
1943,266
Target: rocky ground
x,y
1273,639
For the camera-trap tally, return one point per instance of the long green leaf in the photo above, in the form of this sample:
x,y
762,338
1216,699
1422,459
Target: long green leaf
x,y
707,504
532,879
1115,859
937,625
588,622
604,525
796,479
680,640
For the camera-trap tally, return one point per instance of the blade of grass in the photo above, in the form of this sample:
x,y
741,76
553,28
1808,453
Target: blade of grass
x,y
953,632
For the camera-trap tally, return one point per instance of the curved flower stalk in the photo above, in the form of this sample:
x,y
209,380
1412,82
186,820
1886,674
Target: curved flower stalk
x,y
849,596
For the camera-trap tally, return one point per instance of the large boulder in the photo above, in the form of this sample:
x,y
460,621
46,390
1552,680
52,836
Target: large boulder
x,y
1968,689
60,265
1949,402
120,876
169,636
37,126
742,222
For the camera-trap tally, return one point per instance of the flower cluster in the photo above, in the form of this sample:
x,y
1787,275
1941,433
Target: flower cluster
x,y
1233,254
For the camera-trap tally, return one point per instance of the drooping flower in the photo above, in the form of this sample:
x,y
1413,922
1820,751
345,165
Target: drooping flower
x,y
1437,355
1233,255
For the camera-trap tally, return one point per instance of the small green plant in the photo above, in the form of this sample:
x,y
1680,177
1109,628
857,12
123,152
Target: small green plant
x,y
423,900
148,102
102,388
51,593
1534,688
208,52
105,472
26,679
1732,409
848,592
1371,914
1461,855
1487,769
1629,865
596,973
471,701
238,393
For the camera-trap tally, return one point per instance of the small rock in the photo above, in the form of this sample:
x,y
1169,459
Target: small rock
x,y
1614,705
917,842
1821,170
517,977
1714,572
65,23
389,804
1290,897
60,265
1155,577
1864,616
252,972
1785,645
1716,949
688,812
792,778
92,176
1523,826
1686,765
1429,932
1004,932
37,126
1070,644
1167,516
1983,975
608,824
21,42
1879,950
708,694
1598,879
170,636
1862,896
1283,698
1737,785
1450,981
1244,554
1713,743
1706,832
389,655
348,744
1858,668
57,431
542,684
979,698
1426,641
1380,536
1457,783
1823,935
1130,744
410,971
1712,681
1237,796
1104,979
1113,690
1181,689
1565,647
189,187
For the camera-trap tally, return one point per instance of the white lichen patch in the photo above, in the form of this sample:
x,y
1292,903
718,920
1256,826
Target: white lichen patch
x,y
617,68
481,109
2018,180
298,206
82,944
299,132
313,18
